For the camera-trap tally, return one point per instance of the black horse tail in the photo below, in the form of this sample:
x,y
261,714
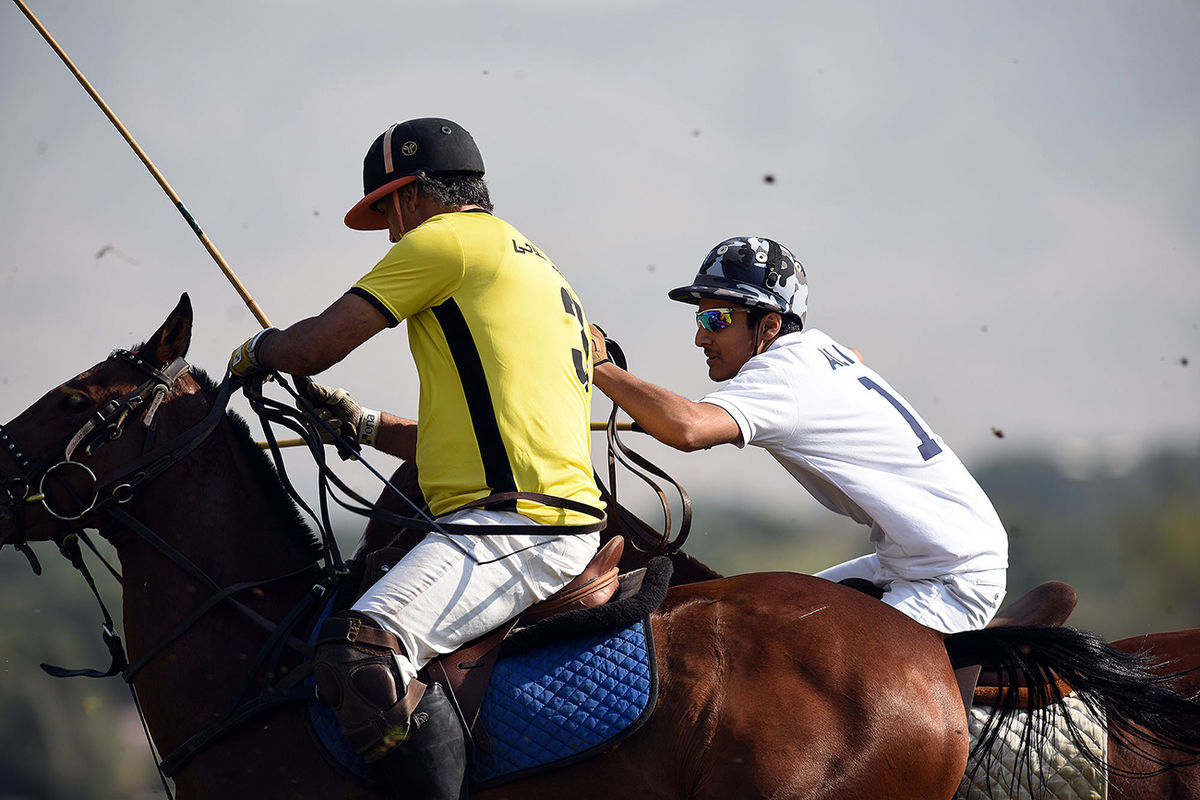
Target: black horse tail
x,y
1144,712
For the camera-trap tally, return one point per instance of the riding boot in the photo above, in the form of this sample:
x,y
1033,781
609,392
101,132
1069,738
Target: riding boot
x,y
431,762
410,732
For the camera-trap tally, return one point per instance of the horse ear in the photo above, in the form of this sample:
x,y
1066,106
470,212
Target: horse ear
x,y
171,341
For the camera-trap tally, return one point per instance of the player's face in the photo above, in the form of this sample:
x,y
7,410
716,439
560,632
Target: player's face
x,y
398,207
730,344
388,206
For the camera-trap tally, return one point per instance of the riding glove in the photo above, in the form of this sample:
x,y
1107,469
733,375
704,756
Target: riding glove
x,y
599,347
244,360
343,413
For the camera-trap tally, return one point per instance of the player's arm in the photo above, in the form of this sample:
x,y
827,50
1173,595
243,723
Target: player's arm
x,y
671,418
332,410
315,344
397,436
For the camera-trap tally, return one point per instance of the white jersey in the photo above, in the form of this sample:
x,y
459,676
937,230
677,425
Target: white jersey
x,y
859,448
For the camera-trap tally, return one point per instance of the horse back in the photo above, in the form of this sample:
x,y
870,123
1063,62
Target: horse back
x,y
1170,652
778,662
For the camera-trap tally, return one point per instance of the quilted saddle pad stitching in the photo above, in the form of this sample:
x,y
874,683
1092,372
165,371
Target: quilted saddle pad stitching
x,y
1066,775
554,734
623,659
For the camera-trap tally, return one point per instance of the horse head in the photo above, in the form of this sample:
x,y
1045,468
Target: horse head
x,y
64,457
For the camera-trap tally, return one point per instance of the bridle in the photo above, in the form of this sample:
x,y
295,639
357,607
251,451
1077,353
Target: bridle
x,y
105,425
107,495
45,481
39,479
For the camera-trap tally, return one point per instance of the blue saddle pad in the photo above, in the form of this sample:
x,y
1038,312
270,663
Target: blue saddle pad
x,y
545,707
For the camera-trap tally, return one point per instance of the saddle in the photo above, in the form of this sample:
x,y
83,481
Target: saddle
x,y
1049,603
465,673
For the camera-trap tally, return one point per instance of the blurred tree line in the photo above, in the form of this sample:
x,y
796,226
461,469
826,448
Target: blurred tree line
x,y
63,738
1129,544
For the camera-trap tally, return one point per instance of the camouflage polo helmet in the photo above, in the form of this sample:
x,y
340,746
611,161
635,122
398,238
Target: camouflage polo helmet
x,y
751,271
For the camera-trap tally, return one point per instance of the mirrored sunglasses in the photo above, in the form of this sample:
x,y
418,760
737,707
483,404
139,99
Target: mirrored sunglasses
x,y
716,319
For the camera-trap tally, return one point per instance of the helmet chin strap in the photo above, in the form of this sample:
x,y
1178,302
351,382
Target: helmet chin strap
x,y
399,217
757,331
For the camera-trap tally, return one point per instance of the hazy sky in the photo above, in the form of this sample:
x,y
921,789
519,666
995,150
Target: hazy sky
x,y
998,202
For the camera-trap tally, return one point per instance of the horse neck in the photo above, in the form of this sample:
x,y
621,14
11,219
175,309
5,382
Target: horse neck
x,y
209,507
213,506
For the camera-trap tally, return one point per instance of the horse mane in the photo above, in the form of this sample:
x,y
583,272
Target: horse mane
x,y
265,476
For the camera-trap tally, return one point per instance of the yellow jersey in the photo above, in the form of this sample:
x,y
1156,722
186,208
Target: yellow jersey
x,y
502,351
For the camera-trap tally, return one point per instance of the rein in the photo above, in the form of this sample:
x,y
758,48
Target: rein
x,y
302,419
107,495
640,534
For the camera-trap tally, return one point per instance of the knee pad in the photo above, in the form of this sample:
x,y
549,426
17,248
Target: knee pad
x,y
356,675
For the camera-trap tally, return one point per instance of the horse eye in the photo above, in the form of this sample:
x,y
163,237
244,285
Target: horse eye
x,y
76,402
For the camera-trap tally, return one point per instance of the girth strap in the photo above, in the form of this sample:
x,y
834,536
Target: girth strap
x,y
183,755
289,689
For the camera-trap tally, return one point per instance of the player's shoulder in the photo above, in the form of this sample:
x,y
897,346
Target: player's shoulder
x,y
810,356
471,222
479,229
797,347
436,238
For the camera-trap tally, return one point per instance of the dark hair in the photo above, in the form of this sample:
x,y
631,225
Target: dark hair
x,y
790,323
455,189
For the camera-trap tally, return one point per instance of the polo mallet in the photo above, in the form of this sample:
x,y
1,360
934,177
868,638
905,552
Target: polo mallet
x,y
158,176
596,426
171,193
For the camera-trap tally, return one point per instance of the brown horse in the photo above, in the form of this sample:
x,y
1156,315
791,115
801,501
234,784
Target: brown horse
x,y
772,685
1138,772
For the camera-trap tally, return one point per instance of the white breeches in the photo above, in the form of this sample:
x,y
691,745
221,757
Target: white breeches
x,y
950,603
452,588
